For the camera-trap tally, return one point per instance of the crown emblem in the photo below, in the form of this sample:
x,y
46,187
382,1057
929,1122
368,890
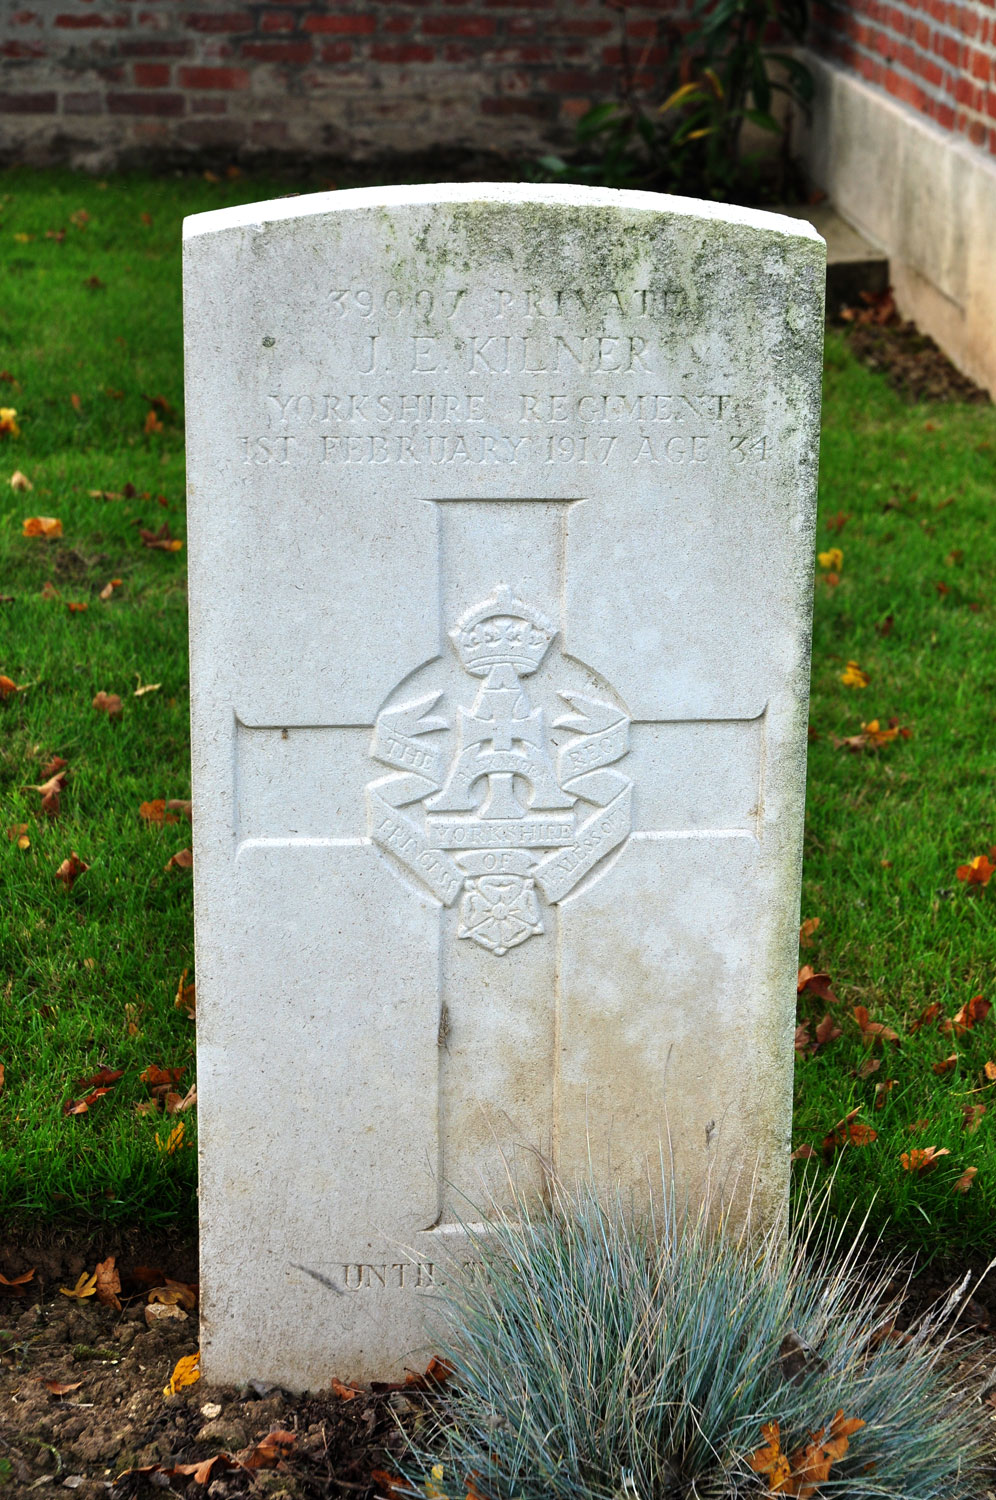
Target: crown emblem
x,y
503,631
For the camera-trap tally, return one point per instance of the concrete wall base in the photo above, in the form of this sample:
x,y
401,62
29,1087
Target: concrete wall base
x,y
927,200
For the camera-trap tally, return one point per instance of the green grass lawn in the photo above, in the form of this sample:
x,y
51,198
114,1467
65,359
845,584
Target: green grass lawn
x,y
88,974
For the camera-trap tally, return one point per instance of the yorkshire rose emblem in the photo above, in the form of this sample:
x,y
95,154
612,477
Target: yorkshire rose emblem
x,y
507,808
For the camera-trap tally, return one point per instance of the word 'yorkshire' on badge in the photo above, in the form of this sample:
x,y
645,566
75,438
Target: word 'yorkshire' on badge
x,y
503,809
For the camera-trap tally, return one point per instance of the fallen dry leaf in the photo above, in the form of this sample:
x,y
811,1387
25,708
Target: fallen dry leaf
x,y
161,1077
855,676
930,1013
49,591
807,982
160,539
70,870
184,860
155,812
81,1106
978,871
945,1065
173,1142
186,997
108,1283
51,792
186,1372
86,1286
973,1011
16,1285
174,1294
923,1159
107,592
873,1031
19,481
143,688
177,804
269,1452
46,526
59,1387
972,1117
8,687
989,1072
102,1079
806,931
152,423
108,703
883,1090
344,1392
965,1180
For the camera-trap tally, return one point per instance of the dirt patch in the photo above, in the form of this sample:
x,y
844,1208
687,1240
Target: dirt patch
x,y
82,1391
910,360
82,1394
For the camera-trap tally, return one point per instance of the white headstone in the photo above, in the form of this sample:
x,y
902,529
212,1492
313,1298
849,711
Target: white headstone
x,y
501,515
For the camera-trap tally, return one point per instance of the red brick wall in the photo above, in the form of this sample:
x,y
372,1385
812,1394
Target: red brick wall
x,y
937,56
97,80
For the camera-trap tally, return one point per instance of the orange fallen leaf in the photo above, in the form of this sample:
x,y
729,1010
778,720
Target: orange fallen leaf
x,y
177,804
158,1077
107,592
174,1294
922,1159
55,765
103,1078
972,1117
81,1106
184,860
108,1283
8,417
883,1090
806,931
108,703
978,871
770,1461
989,1072
49,591
76,609
51,792
965,1180
803,1153
8,687
186,1372
70,870
808,982
17,1284
269,1452
19,481
390,1486
344,1392
155,812
152,423
186,997
46,526
855,676
59,1387
873,1031
972,1011
173,1142
945,1065
930,1013
86,1286
160,539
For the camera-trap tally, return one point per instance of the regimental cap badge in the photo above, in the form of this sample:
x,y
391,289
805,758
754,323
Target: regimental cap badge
x,y
504,631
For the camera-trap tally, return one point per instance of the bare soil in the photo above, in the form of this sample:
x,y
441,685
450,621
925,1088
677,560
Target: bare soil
x,y
113,1421
909,359
112,1432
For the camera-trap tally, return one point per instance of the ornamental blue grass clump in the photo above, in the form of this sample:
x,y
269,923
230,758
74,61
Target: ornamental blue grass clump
x,y
601,1357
